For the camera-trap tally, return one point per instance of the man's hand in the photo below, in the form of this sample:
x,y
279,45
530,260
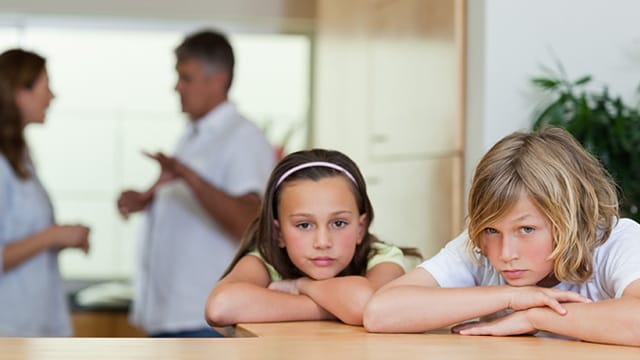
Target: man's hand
x,y
132,201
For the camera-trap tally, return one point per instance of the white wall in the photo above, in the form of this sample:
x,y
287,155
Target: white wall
x,y
510,39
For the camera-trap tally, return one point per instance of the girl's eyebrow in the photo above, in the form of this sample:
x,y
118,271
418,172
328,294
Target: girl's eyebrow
x,y
335,213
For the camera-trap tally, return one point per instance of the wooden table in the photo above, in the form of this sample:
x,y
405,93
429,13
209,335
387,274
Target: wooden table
x,y
310,341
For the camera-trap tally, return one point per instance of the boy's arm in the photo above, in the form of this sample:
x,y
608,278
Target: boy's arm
x,y
416,303
615,321
346,296
242,296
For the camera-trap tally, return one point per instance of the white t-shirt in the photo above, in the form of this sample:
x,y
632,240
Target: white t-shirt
x,y
616,264
182,251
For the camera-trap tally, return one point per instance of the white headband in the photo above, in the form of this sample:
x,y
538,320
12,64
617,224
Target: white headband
x,y
312,164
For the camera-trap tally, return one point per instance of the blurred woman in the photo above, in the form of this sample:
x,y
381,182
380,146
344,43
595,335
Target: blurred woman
x,y
32,296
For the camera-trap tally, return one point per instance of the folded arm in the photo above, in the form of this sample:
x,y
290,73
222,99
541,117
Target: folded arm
x,y
243,296
346,297
615,321
416,303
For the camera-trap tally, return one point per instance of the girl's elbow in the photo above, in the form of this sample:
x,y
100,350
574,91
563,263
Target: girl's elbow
x,y
353,316
217,310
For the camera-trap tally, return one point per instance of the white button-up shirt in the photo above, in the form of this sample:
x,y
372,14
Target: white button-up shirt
x,y
182,250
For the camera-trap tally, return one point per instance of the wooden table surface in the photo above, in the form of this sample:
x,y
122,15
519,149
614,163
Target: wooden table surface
x,y
312,340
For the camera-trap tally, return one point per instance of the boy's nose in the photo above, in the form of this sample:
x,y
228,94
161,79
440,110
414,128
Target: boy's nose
x,y
508,251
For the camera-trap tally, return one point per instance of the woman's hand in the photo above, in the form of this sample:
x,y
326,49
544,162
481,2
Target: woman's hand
x,y
70,236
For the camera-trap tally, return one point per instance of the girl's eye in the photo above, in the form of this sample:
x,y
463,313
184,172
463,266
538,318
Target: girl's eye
x,y
339,223
303,226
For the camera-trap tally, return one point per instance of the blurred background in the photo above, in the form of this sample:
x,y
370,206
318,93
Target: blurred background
x,y
414,90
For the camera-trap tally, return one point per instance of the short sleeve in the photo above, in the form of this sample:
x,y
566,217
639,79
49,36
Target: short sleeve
x,y
453,266
386,253
273,273
5,178
5,183
618,259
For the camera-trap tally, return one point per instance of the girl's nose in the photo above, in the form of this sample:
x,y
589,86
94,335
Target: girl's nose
x,y
322,240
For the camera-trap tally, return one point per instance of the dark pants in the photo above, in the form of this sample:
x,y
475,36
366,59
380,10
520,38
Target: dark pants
x,y
200,333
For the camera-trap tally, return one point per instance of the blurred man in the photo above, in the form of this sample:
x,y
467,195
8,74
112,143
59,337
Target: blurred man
x,y
204,198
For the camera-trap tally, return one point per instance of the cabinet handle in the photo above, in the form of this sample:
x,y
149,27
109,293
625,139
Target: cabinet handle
x,y
379,138
372,180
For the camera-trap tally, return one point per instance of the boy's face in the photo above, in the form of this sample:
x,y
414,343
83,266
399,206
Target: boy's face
x,y
519,244
319,225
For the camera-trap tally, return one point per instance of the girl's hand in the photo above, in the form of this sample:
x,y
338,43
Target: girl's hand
x,y
515,323
285,286
527,297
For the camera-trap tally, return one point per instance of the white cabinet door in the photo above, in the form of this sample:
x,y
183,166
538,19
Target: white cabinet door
x,y
415,202
413,79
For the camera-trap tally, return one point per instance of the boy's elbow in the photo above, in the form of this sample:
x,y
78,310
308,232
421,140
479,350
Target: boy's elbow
x,y
373,318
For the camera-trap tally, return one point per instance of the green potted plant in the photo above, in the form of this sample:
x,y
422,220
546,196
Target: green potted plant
x,y
602,123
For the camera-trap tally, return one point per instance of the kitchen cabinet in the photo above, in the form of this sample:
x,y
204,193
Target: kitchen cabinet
x,y
103,324
389,92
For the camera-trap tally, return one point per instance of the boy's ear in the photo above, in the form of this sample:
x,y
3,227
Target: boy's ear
x,y
362,226
277,234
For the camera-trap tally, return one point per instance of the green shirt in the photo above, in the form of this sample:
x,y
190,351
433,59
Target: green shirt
x,y
384,253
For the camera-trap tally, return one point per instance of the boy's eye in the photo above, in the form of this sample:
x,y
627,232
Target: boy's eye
x,y
527,229
490,231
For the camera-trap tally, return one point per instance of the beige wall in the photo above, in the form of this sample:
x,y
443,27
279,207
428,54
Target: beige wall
x,y
288,14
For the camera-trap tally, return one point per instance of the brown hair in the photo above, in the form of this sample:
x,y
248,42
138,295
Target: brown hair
x,y
19,69
261,236
564,181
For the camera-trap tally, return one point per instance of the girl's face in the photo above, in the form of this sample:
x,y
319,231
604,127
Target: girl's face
x,y
519,244
33,103
319,225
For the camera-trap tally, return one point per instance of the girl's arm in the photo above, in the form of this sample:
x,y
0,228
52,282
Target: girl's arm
x,y
242,296
346,296
56,236
416,303
615,321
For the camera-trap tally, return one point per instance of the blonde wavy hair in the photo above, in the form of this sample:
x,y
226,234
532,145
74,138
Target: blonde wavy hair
x,y
569,185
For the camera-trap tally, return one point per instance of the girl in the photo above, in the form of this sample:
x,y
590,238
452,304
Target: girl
x,y
32,297
544,249
309,254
